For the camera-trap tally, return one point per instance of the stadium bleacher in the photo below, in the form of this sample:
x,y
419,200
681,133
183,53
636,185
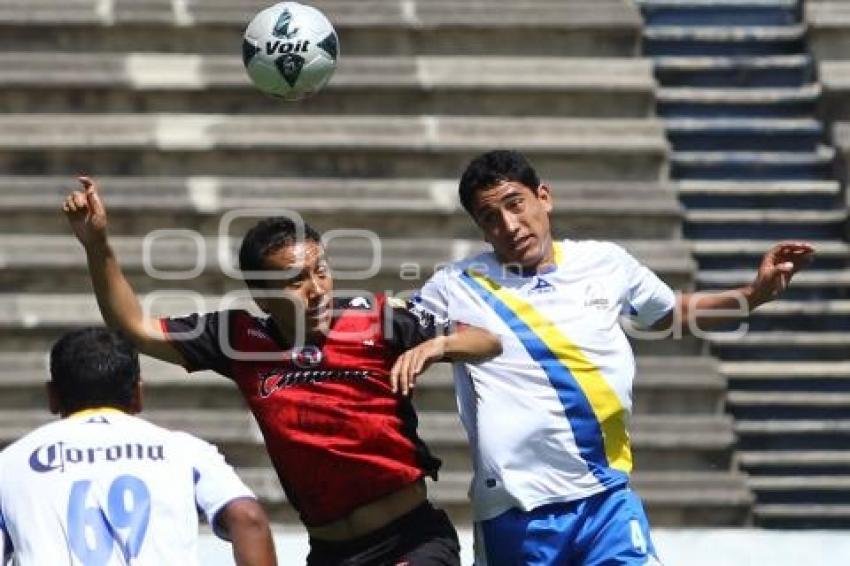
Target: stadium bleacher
x,y
749,89
148,97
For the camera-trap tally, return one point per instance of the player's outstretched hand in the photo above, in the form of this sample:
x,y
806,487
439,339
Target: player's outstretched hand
x,y
86,213
414,362
778,266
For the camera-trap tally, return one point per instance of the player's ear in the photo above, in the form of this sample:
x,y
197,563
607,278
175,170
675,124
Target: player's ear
x,y
544,195
52,399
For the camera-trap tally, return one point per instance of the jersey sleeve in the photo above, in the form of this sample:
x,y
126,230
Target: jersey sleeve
x,y
5,542
411,325
216,483
647,297
433,297
198,338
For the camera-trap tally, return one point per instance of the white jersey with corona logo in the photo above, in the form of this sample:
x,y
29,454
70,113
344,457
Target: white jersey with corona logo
x,y
105,488
548,419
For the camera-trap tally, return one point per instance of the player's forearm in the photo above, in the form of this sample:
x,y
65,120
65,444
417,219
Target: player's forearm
x,y
253,547
249,532
116,298
707,310
471,344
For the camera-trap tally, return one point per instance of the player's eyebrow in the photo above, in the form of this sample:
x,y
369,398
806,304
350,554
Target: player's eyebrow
x,y
512,193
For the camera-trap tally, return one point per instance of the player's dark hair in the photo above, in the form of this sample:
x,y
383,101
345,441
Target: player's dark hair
x,y
494,167
93,367
268,236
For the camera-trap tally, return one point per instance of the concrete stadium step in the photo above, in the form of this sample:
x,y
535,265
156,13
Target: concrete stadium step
x,y
752,405
659,442
831,489
744,134
456,85
813,316
694,498
720,12
824,284
362,261
686,385
667,442
772,224
790,102
829,29
784,376
374,27
835,78
390,207
782,345
680,385
799,195
716,255
810,463
793,434
797,516
690,40
815,381
682,498
388,146
755,166
745,72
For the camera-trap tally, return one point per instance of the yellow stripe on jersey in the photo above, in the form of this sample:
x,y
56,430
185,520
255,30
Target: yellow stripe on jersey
x,y
604,402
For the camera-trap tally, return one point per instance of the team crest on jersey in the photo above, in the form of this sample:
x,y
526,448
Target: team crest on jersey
x,y
595,296
307,357
542,286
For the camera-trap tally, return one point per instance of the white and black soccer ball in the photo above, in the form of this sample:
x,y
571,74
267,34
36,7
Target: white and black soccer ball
x,y
290,50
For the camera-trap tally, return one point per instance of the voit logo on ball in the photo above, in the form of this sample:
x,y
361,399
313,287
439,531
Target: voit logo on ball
x,y
290,50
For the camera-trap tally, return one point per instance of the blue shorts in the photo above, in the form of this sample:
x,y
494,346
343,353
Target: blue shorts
x,y
609,528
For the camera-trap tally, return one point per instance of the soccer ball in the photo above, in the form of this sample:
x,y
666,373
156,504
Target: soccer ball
x,y
290,50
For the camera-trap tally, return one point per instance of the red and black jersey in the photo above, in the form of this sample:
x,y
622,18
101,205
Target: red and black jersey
x,y
336,434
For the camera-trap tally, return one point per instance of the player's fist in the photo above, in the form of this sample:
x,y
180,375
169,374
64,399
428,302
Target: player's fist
x,y
86,213
778,266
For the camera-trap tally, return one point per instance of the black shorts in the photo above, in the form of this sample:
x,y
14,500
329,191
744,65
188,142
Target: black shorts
x,y
422,537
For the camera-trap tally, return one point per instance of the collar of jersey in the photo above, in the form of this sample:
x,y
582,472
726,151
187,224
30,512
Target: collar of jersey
x,y
94,410
559,258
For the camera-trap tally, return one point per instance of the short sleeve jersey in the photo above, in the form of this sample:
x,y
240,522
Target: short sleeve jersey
x,y
104,488
548,418
337,435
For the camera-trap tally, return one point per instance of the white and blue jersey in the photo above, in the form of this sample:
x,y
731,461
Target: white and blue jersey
x,y
105,488
548,419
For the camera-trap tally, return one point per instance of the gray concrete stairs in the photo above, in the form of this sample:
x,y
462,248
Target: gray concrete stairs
x,y
149,97
748,96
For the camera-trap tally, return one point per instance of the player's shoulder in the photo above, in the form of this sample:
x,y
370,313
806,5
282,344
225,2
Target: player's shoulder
x,y
591,246
482,262
181,438
579,252
36,437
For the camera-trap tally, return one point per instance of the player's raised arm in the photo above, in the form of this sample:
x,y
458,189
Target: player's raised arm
x,y
707,309
116,298
248,528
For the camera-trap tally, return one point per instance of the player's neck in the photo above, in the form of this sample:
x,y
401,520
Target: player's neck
x,y
547,262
